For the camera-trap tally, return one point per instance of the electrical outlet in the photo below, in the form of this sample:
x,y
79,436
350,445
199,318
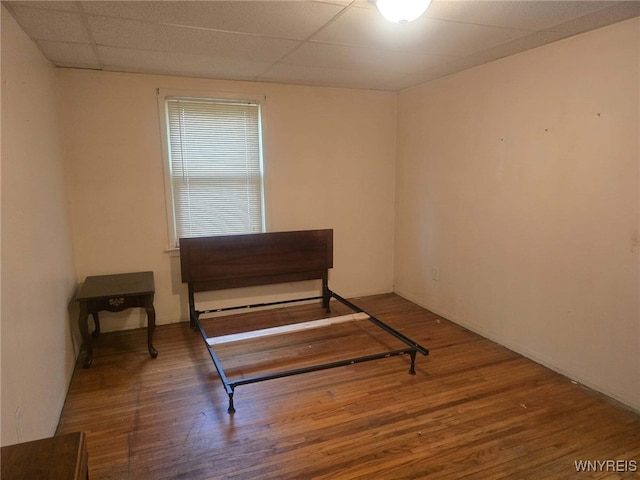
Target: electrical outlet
x,y
435,274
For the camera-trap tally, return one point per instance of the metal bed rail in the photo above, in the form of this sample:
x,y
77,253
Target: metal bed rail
x,y
230,385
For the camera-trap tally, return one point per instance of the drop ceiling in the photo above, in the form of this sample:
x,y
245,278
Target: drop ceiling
x,y
328,43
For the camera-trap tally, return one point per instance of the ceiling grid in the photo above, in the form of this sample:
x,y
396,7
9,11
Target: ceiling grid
x,y
324,43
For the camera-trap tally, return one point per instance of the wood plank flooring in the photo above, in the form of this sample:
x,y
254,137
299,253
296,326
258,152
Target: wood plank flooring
x,y
473,410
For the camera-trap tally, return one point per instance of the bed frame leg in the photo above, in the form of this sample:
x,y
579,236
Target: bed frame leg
x,y
231,408
326,296
412,369
193,313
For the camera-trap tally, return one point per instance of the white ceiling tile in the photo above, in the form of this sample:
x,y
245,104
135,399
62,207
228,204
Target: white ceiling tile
x,y
461,39
411,80
441,71
616,12
282,73
179,64
520,44
532,15
369,59
335,2
65,54
294,20
50,5
53,25
146,36
366,27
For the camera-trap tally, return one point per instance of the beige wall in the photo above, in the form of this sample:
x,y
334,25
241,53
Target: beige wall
x,y
329,161
38,276
519,181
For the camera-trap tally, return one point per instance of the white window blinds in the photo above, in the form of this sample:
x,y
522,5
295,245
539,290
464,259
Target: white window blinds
x,y
215,162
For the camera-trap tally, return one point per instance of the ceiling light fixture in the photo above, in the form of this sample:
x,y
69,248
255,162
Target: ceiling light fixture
x,y
402,11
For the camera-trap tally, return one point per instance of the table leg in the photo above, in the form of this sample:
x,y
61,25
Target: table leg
x,y
96,321
83,319
151,324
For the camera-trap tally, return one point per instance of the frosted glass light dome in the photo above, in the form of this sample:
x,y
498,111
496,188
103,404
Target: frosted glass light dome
x,y
402,11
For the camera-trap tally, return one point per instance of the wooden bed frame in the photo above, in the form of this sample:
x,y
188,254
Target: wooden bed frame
x,y
224,262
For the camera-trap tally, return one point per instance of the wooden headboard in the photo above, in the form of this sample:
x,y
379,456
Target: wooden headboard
x,y
232,261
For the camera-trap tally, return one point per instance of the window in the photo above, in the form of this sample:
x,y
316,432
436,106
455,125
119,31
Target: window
x,y
214,166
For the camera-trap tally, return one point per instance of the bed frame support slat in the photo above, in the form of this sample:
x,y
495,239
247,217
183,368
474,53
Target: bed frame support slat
x,y
283,329
260,305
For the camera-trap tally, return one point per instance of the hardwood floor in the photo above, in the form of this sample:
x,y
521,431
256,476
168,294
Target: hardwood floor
x,y
474,409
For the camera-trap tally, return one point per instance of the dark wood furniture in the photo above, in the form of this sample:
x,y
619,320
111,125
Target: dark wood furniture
x,y
223,262
62,457
115,293
215,263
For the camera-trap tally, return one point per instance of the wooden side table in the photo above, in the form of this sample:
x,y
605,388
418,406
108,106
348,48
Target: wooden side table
x,y
57,458
115,293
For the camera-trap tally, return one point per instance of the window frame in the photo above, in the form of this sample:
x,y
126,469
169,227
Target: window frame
x,y
162,95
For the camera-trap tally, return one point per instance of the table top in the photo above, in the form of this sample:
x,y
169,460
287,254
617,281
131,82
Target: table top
x,y
58,457
121,284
